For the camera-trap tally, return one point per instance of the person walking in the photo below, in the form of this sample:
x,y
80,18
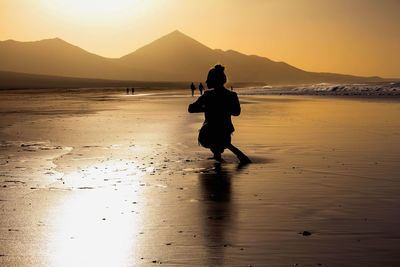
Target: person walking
x,y
218,105
193,88
201,88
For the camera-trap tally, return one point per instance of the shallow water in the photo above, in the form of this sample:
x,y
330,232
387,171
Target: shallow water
x,y
123,182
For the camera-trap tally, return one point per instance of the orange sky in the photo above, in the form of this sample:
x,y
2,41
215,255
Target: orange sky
x,y
359,37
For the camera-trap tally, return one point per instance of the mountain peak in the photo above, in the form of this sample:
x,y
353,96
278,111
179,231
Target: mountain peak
x,y
49,40
57,39
54,40
178,34
173,42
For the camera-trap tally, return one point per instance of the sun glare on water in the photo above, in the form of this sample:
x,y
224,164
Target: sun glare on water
x,y
99,223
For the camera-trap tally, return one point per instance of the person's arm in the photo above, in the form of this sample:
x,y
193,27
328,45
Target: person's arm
x,y
235,106
197,106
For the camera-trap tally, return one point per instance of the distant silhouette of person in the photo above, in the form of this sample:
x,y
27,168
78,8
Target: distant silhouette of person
x,y
201,88
218,105
133,90
127,91
231,88
193,88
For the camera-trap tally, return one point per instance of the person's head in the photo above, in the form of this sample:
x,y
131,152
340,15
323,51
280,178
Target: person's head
x,y
216,77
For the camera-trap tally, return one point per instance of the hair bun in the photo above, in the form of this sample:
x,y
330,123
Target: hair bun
x,y
219,67
216,76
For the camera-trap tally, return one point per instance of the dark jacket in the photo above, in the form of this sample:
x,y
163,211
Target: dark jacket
x,y
218,106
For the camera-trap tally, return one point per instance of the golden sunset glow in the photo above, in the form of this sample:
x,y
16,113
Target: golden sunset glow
x,y
199,133
352,37
101,12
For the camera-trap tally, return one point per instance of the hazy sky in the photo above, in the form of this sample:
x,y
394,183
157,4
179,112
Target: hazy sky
x,y
347,36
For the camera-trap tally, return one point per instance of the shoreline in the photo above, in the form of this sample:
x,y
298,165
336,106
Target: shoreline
x,y
373,93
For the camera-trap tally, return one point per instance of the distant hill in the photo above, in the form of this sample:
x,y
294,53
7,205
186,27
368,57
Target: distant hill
x,y
173,57
17,80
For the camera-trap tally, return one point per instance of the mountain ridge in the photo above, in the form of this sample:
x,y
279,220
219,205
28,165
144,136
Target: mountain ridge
x,y
172,57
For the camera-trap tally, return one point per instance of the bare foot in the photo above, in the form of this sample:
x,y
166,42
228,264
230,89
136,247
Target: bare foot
x,y
219,159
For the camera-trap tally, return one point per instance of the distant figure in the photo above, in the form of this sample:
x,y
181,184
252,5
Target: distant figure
x,y
133,90
193,88
201,88
127,91
218,105
231,88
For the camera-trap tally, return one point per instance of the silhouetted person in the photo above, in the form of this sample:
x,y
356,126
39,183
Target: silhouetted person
x,y
127,91
231,88
193,88
218,105
133,90
201,88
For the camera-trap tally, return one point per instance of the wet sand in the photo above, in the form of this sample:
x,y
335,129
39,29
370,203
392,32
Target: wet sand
x,y
106,179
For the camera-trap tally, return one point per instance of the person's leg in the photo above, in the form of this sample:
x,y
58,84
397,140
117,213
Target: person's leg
x,y
217,153
239,154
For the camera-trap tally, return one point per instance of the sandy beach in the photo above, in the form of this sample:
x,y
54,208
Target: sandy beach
x,y
101,178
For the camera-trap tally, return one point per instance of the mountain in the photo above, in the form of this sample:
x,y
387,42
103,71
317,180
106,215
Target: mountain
x,y
51,56
173,57
182,57
59,58
19,80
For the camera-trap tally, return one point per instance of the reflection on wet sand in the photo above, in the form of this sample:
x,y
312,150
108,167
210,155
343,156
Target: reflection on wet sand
x,y
96,224
219,210
332,169
89,229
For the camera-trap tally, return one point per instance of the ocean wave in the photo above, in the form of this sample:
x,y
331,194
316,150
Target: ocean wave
x,y
373,89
